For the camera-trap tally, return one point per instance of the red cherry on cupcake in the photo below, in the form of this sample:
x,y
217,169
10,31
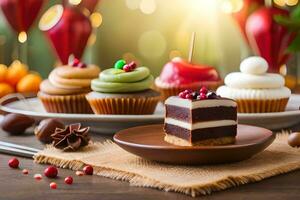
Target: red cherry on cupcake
x,y
51,172
81,65
75,63
132,65
13,163
127,68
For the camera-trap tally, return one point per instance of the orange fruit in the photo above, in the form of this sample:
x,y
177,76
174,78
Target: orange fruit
x,y
16,72
5,89
29,83
3,72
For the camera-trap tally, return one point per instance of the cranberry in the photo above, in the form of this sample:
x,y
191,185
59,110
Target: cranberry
x,y
37,177
203,90
189,96
132,65
187,91
81,65
203,96
51,172
25,171
127,68
53,185
13,163
88,170
75,63
182,95
69,180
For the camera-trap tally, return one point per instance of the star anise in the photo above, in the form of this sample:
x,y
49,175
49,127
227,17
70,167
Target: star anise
x,y
71,138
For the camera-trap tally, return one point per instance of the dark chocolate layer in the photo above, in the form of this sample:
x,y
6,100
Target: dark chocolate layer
x,y
201,134
201,114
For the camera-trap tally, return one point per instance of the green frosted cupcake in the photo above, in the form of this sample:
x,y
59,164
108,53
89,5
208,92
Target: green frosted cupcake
x,y
124,89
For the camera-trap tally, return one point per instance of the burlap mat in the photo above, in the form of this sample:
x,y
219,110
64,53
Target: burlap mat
x,y
111,161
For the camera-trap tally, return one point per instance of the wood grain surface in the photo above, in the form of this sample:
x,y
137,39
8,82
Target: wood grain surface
x,y
14,185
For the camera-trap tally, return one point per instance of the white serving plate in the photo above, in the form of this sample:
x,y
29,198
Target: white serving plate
x,y
109,124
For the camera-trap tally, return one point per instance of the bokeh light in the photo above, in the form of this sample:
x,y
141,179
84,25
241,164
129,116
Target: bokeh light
x,y
291,2
150,49
148,6
96,19
280,2
133,4
22,37
231,6
75,2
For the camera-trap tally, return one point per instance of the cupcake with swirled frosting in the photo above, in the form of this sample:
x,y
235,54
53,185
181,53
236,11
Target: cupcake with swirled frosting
x,y
255,90
65,89
124,89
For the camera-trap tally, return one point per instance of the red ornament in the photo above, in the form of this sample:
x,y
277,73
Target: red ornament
x,y
68,32
13,163
21,14
88,4
51,172
249,6
269,39
88,170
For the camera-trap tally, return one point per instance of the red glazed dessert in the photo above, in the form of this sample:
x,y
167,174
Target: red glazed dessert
x,y
178,75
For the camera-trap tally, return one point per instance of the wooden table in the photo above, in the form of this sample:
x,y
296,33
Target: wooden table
x,y
15,185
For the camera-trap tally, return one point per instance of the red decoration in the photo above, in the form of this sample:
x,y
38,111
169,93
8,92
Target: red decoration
x,y
88,4
21,14
249,6
70,34
268,38
182,72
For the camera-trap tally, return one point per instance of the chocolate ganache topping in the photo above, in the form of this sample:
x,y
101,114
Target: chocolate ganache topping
x,y
71,138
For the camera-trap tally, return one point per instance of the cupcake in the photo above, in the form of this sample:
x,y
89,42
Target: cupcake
x,y
123,89
255,90
65,89
178,75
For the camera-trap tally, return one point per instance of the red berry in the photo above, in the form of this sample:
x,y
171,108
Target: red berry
x,y
189,96
203,96
182,95
127,68
13,163
25,171
75,63
81,65
37,177
51,172
187,91
53,185
203,90
132,65
69,180
88,170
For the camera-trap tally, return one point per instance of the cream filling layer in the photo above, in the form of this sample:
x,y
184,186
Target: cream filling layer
x,y
199,125
186,103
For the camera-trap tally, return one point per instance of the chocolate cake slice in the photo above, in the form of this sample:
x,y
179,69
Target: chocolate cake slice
x,y
200,119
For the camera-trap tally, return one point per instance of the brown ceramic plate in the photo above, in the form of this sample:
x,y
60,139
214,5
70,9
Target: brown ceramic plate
x,y
148,142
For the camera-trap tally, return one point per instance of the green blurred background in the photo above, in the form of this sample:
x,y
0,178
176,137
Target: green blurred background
x,y
149,31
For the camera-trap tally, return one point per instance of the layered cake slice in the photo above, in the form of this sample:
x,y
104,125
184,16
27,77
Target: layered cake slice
x,y
202,118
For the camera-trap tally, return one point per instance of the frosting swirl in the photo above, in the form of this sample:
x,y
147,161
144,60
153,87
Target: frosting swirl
x,y
254,75
68,80
118,81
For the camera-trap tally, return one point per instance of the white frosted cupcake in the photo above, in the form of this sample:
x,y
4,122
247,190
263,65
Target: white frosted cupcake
x,y
255,90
